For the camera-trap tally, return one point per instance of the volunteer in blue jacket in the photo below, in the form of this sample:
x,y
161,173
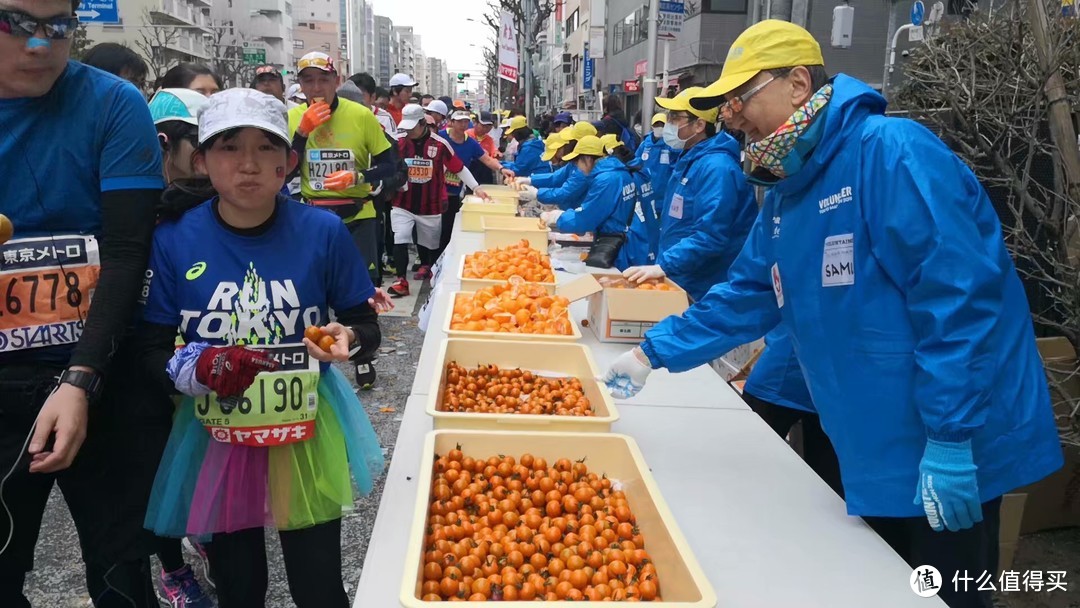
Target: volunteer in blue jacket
x,y
566,186
608,204
655,156
881,254
776,391
646,221
529,150
709,207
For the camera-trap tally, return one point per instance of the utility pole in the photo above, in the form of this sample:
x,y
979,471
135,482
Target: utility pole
x,y
648,93
528,61
890,46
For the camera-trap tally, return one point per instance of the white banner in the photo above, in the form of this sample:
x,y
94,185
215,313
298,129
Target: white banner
x,y
508,51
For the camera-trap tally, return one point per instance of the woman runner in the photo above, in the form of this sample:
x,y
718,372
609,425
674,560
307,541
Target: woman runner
x,y
268,431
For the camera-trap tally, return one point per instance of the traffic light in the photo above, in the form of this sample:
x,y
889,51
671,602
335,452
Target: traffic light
x,y
462,76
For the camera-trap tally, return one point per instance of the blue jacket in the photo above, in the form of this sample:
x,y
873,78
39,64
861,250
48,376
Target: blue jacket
x,y
656,157
777,377
607,205
647,217
707,214
565,187
528,160
884,259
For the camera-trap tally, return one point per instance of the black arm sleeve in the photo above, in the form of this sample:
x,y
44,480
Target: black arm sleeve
x,y
155,345
127,225
364,322
383,165
299,145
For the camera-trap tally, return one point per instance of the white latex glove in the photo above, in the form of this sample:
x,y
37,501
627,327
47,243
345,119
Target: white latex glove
x,y
640,274
626,376
551,217
523,181
527,193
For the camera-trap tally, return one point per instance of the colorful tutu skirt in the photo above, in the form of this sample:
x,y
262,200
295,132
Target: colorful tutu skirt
x,y
205,487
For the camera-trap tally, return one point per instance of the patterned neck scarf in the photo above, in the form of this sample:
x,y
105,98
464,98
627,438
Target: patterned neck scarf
x,y
773,152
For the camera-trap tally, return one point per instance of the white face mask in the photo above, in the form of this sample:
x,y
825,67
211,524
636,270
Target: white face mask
x,y
658,132
671,137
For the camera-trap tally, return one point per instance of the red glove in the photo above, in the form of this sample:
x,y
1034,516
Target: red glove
x,y
230,370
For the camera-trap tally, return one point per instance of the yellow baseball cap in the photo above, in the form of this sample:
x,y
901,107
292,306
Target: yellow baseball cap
x,y
590,145
610,141
681,103
552,145
517,122
766,45
660,117
577,131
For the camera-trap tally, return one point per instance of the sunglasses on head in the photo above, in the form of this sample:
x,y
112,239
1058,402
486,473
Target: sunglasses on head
x,y
26,26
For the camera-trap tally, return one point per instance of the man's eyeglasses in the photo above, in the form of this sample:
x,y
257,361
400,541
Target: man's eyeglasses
x,y
734,105
25,26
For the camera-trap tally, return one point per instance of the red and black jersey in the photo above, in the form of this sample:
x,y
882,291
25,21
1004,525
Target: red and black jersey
x,y
428,160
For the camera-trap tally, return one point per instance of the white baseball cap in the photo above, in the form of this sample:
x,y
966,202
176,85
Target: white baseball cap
x,y
295,92
461,115
235,108
402,80
438,107
411,115
317,60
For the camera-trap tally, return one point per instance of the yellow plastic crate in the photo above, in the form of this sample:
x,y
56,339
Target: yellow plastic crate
x,y
478,284
500,231
561,359
495,335
473,210
501,192
682,582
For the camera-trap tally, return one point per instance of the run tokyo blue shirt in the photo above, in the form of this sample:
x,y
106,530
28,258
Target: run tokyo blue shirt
x,y
468,151
91,133
258,290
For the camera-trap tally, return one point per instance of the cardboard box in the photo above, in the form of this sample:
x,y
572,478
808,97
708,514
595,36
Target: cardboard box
x,y
1012,515
1054,502
624,315
737,363
682,580
503,231
474,208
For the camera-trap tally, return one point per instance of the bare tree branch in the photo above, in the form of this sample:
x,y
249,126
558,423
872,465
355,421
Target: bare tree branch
x,y
153,42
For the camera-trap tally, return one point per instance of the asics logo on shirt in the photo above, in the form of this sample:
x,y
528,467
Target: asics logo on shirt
x,y
832,202
197,269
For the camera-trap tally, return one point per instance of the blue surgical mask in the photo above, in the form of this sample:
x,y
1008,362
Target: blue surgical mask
x,y
671,137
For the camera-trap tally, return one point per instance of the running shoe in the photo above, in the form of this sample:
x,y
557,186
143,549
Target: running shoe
x,y
180,589
416,265
399,289
365,375
423,273
202,563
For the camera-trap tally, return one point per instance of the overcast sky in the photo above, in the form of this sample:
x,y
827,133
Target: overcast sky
x,y
443,29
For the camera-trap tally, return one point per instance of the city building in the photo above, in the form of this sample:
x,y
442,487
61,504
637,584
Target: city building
x,y
164,32
317,27
405,58
385,50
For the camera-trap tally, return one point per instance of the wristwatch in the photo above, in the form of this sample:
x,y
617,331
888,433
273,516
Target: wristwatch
x,y
91,382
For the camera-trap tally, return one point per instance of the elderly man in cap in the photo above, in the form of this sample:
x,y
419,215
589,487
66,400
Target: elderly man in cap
x,y
269,80
342,150
881,254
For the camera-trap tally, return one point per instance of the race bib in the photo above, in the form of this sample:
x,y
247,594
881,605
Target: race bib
x,y
277,409
321,163
453,180
675,210
421,170
46,285
838,261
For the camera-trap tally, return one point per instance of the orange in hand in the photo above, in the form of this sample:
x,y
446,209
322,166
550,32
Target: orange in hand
x,y
326,342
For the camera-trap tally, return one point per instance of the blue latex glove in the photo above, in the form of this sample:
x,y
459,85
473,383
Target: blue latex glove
x,y
948,488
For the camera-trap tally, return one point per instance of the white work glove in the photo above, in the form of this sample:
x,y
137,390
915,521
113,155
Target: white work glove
x,y
626,376
640,274
527,193
523,181
551,217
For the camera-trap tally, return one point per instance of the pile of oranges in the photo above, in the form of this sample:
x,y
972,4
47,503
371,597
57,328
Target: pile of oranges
x,y
490,390
502,529
515,307
505,262
617,282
